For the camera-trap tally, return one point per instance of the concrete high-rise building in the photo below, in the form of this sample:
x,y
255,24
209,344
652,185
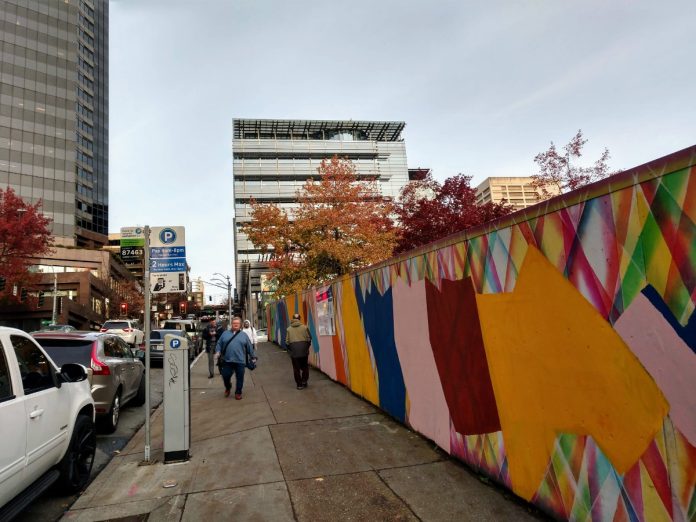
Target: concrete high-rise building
x,y
518,191
54,114
272,160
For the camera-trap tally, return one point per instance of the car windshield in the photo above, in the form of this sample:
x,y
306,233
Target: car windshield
x,y
158,335
189,327
62,327
116,325
64,351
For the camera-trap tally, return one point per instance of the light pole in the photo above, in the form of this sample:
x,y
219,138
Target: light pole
x,y
228,285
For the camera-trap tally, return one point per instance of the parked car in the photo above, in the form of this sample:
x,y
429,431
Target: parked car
x,y
59,328
46,423
126,329
117,376
191,328
261,335
157,343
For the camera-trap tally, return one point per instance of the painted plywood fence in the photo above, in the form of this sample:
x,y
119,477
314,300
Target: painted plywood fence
x,y
555,353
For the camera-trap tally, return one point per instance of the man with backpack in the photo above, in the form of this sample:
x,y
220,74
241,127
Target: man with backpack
x,y
233,350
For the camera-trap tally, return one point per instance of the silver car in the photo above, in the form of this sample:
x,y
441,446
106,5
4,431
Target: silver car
x,y
116,374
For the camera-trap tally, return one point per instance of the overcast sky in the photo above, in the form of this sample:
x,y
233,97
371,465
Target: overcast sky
x,y
482,86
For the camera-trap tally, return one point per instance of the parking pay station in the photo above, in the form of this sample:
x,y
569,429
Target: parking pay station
x,y
177,398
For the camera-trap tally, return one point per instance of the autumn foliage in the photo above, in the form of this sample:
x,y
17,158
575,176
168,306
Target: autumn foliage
x,y
342,224
24,236
428,210
559,173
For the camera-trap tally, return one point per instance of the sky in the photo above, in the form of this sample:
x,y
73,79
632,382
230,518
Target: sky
x,y
482,86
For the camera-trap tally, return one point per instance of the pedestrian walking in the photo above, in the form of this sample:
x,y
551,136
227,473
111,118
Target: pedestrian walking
x,y
250,331
298,339
210,338
232,349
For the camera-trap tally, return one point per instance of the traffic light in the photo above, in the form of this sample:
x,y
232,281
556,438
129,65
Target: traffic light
x,y
41,300
124,309
23,295
182,307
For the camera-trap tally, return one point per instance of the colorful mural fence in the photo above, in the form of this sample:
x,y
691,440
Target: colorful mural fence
x,y
553,350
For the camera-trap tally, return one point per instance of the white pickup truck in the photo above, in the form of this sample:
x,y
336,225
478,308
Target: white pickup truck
x,y
46,423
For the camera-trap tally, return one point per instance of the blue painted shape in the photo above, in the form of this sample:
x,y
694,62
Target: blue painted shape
x,y
312,330
377,313
688,332
282,320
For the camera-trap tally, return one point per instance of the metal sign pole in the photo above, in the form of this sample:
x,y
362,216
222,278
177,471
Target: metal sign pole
x,y
54,315
229,302
148,321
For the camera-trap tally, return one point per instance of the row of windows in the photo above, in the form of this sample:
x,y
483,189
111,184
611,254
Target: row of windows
x,y
21,97
84,174
84,111
87,8
30,22
85,142
88,68
83,125
85,36
36,60
34,111
32,153
84,190
85,81
88,24
85,51
84,95
34,121
53,75
45,10
84,158
326,134
57,173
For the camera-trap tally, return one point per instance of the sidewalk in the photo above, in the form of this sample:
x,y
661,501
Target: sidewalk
x,y
286,454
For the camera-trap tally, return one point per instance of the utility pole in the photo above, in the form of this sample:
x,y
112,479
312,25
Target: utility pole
x,y
148,312
54,315
221,283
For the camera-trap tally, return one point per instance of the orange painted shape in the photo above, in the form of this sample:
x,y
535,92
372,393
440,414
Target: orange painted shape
x,y
558,367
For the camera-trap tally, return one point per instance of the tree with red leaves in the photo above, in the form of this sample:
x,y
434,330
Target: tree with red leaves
x,y
558,172
428,210
24,236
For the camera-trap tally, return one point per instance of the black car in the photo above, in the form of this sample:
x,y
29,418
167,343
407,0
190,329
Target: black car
x,y
157,343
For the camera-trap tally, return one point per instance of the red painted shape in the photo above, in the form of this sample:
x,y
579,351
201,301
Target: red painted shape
x,y
455,336
340,364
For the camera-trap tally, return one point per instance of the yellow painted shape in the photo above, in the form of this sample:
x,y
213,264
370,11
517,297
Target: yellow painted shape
x,y
290,304
653,507
558,367
362,374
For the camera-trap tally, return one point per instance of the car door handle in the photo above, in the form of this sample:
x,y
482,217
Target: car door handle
x,y
36,413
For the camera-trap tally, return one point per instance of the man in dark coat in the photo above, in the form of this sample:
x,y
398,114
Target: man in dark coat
x,y
210,337
298,340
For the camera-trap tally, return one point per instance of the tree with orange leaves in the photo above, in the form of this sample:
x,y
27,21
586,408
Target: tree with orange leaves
x,y
342,224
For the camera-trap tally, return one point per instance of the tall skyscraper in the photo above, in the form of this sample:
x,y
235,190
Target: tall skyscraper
x,y
54,112
272,160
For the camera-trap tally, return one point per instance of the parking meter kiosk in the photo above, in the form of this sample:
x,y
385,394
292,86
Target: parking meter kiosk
x,y
177,415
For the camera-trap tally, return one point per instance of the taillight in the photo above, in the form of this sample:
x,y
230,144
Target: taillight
x,y
128,330
103,330
98,367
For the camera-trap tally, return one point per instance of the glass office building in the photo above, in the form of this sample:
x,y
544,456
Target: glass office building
x,y
54,113
272,160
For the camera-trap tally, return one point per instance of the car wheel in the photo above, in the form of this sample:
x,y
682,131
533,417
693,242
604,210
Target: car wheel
x,y
111,420
76,466
139,398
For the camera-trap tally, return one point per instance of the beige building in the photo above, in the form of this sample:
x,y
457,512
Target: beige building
x,y
517,191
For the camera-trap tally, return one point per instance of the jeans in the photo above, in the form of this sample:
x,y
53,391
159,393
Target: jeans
x,y
300,368
228,368
211,362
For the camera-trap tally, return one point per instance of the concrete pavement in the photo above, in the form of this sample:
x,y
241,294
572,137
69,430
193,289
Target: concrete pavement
x,y
287,454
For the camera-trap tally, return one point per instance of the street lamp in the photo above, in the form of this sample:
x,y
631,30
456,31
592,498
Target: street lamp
x,y
225,284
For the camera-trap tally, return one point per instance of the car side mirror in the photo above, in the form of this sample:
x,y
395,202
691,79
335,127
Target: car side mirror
x,y
140,354
72,372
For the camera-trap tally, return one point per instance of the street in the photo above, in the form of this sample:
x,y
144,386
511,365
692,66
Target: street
x,y
52,504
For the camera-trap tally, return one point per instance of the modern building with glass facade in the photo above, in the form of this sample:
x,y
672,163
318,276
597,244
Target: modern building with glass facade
x,y
272,160
54,112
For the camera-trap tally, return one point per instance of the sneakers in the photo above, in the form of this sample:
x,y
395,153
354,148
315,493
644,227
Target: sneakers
x,y
300,386
238,396
210,376
227,393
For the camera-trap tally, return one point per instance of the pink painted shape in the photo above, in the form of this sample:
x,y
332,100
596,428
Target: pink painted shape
x,y
428,413
666,357
327,361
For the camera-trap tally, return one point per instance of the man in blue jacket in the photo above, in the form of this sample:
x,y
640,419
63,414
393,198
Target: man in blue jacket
x,y
232,349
